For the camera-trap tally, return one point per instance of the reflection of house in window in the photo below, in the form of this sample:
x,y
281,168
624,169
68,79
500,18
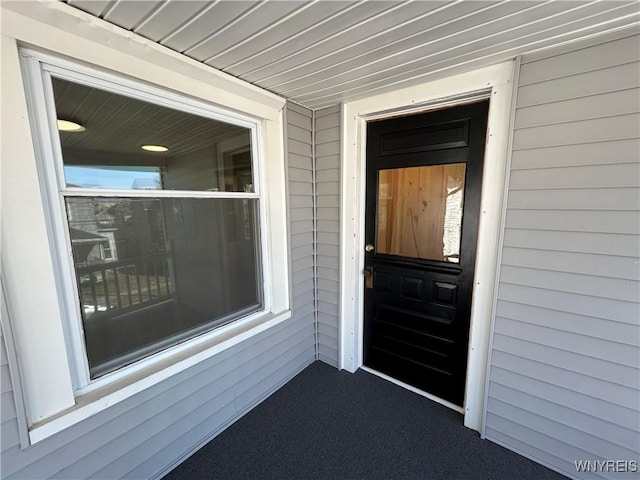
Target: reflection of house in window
x,y
237,171
109,252
87,247
125,269
420,211
92,239
146,184
453,217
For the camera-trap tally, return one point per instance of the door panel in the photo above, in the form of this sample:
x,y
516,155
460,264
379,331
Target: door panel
x,y
424,174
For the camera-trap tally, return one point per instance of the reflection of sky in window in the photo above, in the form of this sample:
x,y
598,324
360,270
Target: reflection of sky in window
x,y
147,178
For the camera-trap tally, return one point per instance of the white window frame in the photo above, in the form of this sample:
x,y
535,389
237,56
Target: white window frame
x,y
57,398
51,170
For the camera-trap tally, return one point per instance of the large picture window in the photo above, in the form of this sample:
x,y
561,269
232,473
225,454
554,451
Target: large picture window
x,y
145,216
161,211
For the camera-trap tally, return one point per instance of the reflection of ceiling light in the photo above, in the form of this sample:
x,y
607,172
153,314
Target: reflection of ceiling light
x,y
68,126
154,148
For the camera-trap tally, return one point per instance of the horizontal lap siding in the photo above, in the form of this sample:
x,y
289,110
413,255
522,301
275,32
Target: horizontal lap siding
x,y
10,437
327,139
565,361
145,435
299,131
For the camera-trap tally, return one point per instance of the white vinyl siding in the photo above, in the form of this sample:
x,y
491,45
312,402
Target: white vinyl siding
x,y
564,380
144,435
313,140
298,131
10,435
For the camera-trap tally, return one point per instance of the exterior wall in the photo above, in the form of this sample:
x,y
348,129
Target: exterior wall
x,y
151,432
143,436
298,131
314,156
565,359
10,435
327,151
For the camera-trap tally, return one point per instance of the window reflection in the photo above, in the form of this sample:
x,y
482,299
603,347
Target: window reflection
x,y
155,268
201,154
120,177
152,270
420,212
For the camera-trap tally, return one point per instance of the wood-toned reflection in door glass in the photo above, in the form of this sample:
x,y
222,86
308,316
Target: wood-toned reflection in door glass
x,y
420,211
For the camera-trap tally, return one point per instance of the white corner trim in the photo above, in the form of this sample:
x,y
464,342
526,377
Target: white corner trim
x,y
500,241
99,400
60,28
495,82
492,207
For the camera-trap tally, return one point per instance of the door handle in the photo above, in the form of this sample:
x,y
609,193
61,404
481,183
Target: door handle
x,y
368,276
369,248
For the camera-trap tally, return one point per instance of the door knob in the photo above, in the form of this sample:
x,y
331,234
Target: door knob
x,y
368,277
368,247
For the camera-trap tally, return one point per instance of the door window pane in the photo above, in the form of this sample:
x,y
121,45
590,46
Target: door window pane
x,y
152,272
420,212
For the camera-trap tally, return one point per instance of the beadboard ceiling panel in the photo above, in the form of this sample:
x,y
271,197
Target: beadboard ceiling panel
x,y
319,53
412,41
131,14
347,20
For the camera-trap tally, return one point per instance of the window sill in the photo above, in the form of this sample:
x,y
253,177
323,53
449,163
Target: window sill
x,y
194,352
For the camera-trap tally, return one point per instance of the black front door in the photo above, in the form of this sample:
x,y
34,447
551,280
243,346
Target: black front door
x,y
424,175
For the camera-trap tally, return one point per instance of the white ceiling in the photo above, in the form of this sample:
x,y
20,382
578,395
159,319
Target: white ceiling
x,y
319,53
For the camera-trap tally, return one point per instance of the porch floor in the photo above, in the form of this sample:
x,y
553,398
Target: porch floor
x,y
328,424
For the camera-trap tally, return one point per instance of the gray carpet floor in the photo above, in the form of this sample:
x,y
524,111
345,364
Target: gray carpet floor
x,y
327,424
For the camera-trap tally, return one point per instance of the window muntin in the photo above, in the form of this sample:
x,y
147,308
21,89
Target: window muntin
x,y
182,256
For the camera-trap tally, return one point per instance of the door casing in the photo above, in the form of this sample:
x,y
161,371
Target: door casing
x,y
497,84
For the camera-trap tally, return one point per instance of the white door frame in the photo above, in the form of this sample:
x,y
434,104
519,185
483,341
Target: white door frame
x,y
494,82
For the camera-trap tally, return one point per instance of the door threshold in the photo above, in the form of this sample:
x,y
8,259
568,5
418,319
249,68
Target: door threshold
x,y
439,400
